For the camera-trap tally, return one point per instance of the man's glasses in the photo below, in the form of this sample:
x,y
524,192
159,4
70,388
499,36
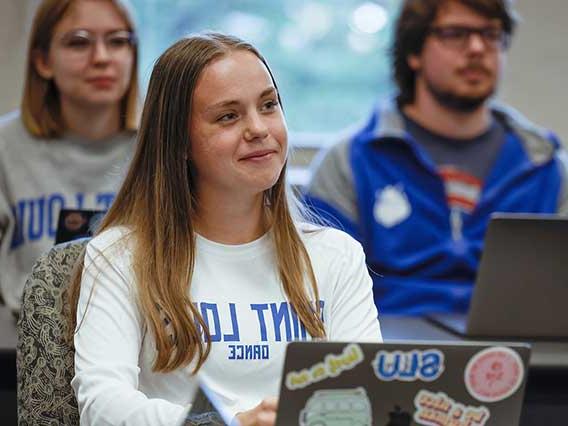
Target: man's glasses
x,y
83,42
458,37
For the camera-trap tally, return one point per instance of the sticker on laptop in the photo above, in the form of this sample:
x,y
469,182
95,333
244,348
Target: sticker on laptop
x,y
426,365
334,406
74,221
438,409
494,374
332,366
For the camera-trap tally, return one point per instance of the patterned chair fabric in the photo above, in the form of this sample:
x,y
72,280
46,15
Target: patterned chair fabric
x,y
44,359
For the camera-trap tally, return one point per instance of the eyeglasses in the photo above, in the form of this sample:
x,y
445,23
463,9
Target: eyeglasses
x,y
458,37
81,43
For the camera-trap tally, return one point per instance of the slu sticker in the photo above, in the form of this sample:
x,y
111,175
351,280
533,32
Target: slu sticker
x,y
425,365
391,206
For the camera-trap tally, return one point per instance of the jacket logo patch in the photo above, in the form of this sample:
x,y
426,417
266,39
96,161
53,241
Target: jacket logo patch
x,y
391,206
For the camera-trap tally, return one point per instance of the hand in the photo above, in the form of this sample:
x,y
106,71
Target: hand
x,y
264,414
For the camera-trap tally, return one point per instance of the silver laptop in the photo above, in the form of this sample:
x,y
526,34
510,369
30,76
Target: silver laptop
x,y
521,289
402,384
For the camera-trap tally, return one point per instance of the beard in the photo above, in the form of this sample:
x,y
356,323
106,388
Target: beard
x,y
457,102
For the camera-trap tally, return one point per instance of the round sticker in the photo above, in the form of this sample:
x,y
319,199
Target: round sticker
x,y
74,221
494,374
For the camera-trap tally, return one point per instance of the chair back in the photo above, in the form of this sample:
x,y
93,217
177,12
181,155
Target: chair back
x,y
45,361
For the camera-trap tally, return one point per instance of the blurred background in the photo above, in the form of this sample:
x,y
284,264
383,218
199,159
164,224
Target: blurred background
x,y
330,57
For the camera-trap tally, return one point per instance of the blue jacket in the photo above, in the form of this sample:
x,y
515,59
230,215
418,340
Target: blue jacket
x,y
381,187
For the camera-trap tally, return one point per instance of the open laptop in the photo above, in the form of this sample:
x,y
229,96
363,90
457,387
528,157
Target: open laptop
x,y
77,223
402,384
522,283
205,401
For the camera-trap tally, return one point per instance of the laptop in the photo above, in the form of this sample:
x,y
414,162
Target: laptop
x,y
403,384
522,283
77,223
205,401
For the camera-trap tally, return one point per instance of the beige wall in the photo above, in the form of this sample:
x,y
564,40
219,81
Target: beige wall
x,y
15,16
535,78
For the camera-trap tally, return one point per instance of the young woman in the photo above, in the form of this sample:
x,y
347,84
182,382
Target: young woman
x,y
74,132
202,266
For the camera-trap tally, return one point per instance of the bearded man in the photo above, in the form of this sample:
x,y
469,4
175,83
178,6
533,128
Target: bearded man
x,y
417,184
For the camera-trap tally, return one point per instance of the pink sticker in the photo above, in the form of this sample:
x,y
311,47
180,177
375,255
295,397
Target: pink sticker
x,y
494,374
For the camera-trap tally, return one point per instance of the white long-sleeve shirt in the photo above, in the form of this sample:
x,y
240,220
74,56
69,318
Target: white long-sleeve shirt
x,y
239,294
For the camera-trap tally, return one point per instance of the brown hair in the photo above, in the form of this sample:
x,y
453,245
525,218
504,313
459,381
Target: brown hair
x,y
40,107
160,212
412,27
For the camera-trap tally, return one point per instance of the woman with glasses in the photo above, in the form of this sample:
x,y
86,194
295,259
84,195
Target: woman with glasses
x,y
74,132
203,268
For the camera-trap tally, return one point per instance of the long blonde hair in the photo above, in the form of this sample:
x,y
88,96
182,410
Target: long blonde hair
x,y
160,210
40,108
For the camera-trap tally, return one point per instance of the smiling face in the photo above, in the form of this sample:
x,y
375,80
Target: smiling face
x,y
237,130
460,77
89,76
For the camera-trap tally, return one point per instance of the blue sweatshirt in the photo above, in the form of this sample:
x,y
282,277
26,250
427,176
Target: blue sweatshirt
x,y
381,186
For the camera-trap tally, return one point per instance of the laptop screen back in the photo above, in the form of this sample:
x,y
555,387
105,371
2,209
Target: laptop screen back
x,y
522,284
427,383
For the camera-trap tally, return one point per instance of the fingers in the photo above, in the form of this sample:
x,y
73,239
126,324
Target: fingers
x,y
267,413
266,418
264,414
269,404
